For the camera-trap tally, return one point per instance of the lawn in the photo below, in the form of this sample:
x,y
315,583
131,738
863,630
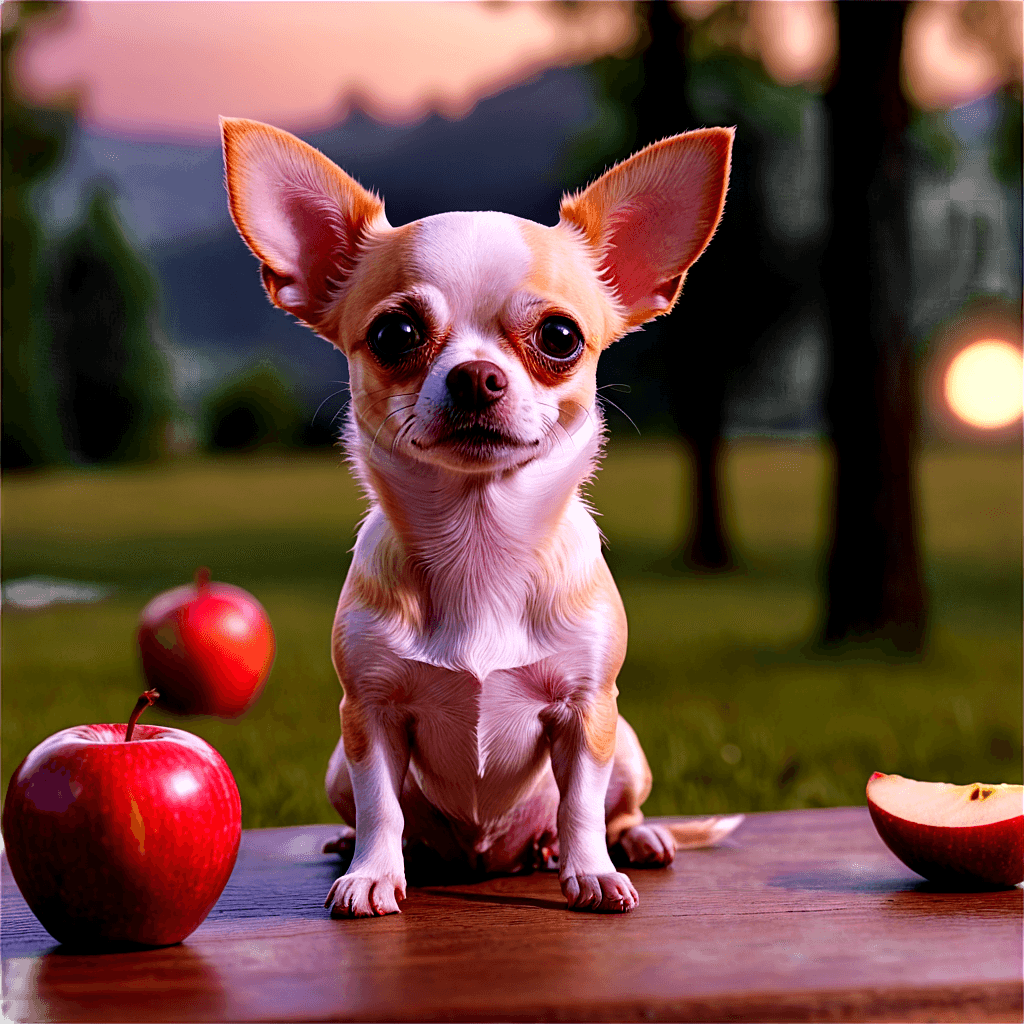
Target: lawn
x,y
735,710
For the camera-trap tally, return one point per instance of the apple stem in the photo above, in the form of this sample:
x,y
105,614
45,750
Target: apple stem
x,y
148,698
202,578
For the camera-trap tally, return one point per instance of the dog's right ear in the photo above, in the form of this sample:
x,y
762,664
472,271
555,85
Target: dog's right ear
x,y
301,215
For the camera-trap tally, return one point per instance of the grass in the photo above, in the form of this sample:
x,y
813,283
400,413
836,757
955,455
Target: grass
x,y
732,706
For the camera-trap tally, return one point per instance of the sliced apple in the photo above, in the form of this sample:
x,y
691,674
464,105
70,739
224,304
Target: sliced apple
x,y
961,835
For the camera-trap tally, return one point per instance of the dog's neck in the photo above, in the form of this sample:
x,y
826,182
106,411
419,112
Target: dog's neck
x,y
490,563
444,518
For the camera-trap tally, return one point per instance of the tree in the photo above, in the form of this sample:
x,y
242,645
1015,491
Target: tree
x,y
33,143
82,376
743,285
695,357
114,393
874,586
650,87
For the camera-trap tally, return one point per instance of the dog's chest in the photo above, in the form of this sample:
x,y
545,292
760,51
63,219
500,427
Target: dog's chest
x,y
479,745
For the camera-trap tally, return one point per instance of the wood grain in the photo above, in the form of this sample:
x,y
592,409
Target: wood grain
x,y
805,915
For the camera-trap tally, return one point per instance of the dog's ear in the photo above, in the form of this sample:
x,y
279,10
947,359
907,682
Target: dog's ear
x,y
301,215
650,217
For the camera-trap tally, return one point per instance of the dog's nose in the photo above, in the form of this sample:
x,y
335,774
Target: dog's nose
x,y
476,385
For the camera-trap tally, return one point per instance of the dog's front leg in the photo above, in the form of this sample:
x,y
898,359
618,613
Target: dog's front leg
x,y
377,752
582,768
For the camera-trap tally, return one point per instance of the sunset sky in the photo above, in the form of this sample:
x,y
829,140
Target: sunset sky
x,y
169,68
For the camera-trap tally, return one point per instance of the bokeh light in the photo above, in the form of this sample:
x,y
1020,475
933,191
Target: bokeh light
x,y
956,51
983,384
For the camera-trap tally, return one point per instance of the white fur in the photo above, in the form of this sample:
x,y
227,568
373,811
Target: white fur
x,y
476,540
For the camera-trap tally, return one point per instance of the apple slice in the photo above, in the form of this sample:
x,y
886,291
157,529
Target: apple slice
x,y
966,835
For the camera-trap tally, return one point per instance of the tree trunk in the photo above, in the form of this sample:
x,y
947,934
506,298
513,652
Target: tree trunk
x,y
873,579
662,109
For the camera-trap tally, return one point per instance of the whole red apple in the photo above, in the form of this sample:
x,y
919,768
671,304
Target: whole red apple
x,y
117,839
960,835
207,647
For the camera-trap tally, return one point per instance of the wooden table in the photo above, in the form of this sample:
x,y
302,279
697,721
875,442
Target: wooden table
x,y
804,915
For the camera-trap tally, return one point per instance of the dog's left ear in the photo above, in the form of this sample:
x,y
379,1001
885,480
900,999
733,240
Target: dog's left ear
x,y
301,214
650,217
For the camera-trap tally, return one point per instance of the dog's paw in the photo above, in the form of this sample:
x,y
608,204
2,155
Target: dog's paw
x,y
600,894
344,844
648,845
360,896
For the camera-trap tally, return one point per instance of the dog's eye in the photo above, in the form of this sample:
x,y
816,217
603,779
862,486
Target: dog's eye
x,y
559,339
392,336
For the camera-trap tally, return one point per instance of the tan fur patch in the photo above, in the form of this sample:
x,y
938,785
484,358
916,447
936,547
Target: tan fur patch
x,y
383,270
590,207
599,726
632,779
597,210
601,718
249,144
565,273
389,590
354,731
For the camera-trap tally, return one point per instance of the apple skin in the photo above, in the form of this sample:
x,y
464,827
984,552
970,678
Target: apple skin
x,y
989,855
207,647
113,841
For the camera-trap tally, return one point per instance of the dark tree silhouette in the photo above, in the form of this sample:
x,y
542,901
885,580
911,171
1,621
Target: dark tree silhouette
x,y
82,377
33,143
874,588
113,386
693,365
695,362
734,294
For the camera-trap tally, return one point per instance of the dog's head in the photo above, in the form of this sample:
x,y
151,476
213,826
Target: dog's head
x,y
473,338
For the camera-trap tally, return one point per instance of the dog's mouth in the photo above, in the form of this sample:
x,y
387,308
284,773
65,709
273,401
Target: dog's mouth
x,y
474,442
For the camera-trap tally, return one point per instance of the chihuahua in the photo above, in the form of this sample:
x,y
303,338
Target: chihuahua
x,y
479,632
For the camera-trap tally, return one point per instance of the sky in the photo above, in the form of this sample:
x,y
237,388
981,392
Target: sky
x,y
170,68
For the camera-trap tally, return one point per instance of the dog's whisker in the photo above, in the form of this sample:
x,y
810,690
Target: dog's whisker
x,y
373,443
327,399
340,412
556,423
389,398
588,412
401,430
604,399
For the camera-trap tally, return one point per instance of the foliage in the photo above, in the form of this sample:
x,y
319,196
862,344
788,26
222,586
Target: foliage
x,y
930,136
730,89
33,142
82,376
733,710
721,85
1006,153
256,409
113,381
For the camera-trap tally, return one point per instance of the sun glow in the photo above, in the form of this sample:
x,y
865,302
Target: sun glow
x,y
983,385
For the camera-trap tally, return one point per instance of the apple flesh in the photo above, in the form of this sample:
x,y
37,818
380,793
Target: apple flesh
x,y
207,647
115,841
955,835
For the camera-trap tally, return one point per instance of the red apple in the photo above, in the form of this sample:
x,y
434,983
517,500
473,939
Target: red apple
x,y
207,647
122,834
967,835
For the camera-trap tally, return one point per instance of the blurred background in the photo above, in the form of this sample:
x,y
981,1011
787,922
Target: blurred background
x,y
812,495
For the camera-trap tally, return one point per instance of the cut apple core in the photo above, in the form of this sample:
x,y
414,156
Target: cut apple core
x,y
963,836
944,805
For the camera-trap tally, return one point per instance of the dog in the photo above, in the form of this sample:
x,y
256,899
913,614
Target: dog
x,y
479,633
